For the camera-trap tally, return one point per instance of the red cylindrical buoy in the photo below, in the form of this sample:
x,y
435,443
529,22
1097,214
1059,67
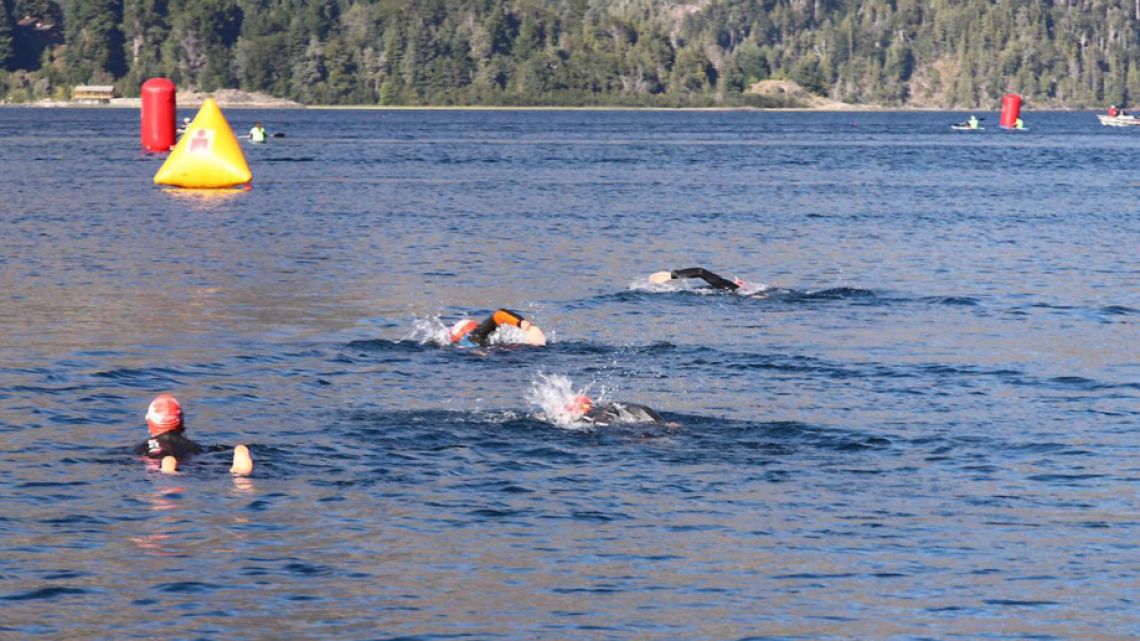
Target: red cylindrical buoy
x,y
158,114
1010,110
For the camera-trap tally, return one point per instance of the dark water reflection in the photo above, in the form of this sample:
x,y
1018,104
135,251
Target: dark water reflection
x,y
927,430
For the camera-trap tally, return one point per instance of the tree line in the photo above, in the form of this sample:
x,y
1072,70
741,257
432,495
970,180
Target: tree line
x,y
895,53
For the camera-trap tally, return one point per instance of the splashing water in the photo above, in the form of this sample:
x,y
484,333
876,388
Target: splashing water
x,y
554,393
429,331
749,288
508,335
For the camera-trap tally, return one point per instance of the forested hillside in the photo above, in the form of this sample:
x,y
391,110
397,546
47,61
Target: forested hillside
x,y
928,53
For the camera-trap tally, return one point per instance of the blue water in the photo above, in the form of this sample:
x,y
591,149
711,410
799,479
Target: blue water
x,y
925,428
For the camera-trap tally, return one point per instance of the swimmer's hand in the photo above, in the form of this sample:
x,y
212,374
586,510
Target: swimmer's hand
x,y
169,465
532,335
658,278
243,462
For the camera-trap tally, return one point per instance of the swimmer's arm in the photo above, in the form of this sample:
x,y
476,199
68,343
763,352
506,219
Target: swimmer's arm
x,y
532,335
712,279
507,317
482,333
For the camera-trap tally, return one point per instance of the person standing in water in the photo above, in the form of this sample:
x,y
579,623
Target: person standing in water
x,y
471,333
257,134
169,443
715,281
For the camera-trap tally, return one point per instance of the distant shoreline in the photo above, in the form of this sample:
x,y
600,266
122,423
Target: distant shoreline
x,y
254,103
778,91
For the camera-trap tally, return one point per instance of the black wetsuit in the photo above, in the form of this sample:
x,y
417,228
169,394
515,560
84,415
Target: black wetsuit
x,y
481,334
622,413
172,443
712,279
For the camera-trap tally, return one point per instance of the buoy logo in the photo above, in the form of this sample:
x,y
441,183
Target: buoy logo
x,y
201,141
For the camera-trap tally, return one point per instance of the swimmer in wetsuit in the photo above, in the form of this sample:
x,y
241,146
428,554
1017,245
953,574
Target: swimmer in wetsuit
x,y
715,281
469,333
168,440
581,408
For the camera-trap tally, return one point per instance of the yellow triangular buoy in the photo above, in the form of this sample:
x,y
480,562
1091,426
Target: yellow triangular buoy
x,y
207,156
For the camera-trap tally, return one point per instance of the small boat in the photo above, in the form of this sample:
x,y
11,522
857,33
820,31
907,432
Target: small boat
x,y
1120,120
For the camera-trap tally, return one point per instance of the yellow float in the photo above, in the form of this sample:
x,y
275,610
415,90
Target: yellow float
x,y
208,156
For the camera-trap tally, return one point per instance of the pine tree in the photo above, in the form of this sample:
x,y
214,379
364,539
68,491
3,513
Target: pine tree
x,y
94,40
7,43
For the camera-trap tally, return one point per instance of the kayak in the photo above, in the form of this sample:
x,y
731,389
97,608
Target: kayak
x,y
966,128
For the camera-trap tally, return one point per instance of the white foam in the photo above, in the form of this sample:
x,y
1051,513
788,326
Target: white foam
x,y
429,331
553,393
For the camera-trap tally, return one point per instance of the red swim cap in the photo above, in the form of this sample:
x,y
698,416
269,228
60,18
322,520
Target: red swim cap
x,y
164,415
579,405
462,328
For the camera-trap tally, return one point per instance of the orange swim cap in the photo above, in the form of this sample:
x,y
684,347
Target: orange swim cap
x,y
462,328
164,415
579,405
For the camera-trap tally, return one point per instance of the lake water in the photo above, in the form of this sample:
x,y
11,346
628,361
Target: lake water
x,y
926,427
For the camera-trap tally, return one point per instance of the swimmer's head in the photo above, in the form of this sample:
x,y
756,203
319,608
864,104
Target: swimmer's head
x,y
185,121
164,415
578,406
461,329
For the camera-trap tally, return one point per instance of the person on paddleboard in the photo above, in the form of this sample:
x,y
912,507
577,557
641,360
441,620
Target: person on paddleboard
x,y
715,281
972,123
257,133
168,441
471,333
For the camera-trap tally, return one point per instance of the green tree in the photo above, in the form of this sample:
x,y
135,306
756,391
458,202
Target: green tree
x,y
809,74
7,43
94,40
145,27
692,72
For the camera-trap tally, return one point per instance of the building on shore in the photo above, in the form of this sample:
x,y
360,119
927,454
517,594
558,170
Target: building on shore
x,y
93,94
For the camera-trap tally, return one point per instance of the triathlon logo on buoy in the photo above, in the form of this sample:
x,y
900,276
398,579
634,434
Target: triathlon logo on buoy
x,y
201,141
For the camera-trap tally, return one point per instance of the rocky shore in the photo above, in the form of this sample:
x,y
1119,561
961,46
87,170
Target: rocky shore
x,y
226,99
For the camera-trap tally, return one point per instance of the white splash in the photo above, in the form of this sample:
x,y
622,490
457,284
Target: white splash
x,y
429,330
553,394
646,285
508,335
750,289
